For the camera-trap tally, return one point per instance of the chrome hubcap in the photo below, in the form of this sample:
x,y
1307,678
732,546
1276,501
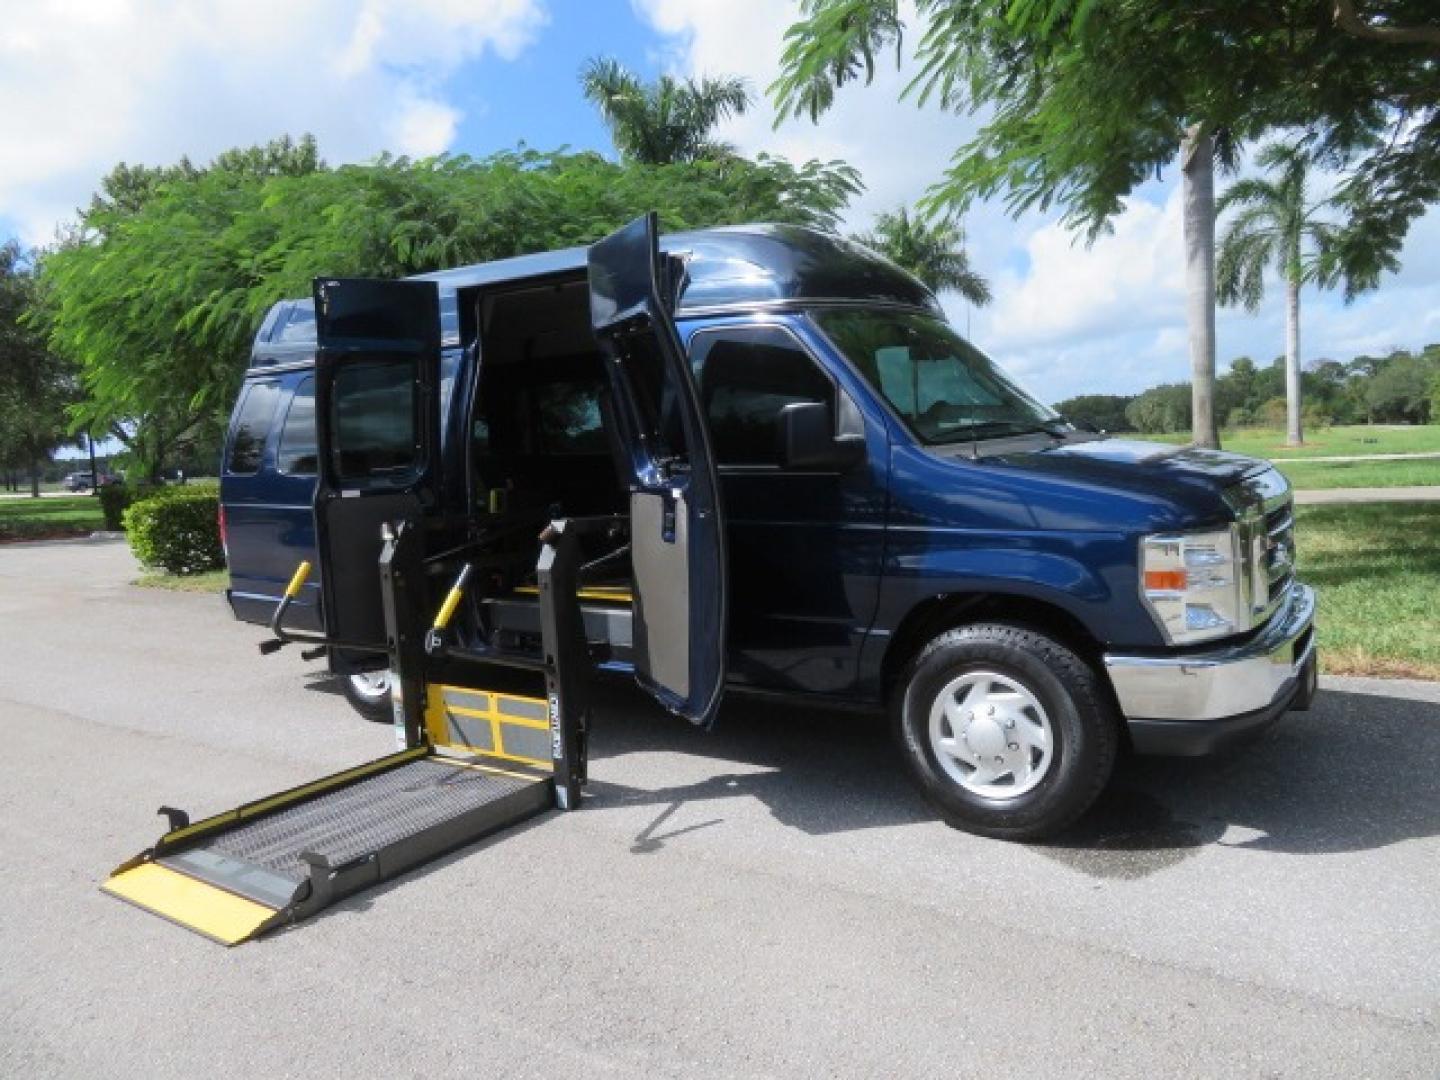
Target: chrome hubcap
x,y
371,684
991,735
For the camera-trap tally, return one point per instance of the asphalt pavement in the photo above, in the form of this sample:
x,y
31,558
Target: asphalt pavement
x,y
767,900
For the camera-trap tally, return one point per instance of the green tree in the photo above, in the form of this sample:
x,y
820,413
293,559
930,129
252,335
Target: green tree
x,y
1103,411
1161,409
1276,225
127,288
934,251
667,121
1083,101
158,298
35,384
1401,390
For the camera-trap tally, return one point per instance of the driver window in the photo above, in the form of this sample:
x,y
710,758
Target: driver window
x,y
746,376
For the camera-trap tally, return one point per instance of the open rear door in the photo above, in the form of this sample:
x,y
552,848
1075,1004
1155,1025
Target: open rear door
x,y
377,376
677,529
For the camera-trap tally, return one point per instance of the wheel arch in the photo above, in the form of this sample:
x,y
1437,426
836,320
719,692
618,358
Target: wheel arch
x,y
937,614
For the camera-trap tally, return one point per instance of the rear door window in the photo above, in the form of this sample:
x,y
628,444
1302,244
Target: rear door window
x,y
297,438
374,423
252,428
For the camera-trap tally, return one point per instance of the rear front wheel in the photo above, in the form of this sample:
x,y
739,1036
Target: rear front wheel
x,y
1005,730
369,694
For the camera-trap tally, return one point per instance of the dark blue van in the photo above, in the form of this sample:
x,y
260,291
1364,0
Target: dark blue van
x,y
894,522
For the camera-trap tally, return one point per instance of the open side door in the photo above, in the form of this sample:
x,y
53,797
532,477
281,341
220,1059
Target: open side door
x,y
377,420
677,528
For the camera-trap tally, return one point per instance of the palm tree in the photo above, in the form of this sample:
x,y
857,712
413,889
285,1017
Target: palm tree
x,y
666,121
1276,225
1198,158
934,251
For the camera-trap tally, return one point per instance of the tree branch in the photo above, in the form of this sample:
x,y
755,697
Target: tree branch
x,y
1347,20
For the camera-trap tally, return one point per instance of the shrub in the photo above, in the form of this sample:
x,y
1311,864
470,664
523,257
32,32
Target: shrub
x,y
114,498
175,529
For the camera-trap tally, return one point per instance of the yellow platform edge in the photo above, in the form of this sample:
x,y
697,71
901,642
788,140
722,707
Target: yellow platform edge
x,y
214,913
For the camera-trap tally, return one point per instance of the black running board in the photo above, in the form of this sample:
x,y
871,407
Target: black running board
x,y
240,874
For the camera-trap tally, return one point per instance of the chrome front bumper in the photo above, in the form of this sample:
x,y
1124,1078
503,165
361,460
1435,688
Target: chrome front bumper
x,y
1262,675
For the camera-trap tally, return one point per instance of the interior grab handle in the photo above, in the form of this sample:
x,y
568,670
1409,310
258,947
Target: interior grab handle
x,y
434,640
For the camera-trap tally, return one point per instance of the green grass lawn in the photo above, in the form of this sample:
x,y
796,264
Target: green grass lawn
x,y
1376,568
1326,442
37,519
211,581
1336,442
1314,475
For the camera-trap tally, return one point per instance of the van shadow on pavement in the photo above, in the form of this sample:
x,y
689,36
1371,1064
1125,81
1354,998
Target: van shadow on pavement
x,y
1356,772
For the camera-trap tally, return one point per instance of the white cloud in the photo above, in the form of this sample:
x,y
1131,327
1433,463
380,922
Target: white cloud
x,y
422,127
899,149
1067,318
89,84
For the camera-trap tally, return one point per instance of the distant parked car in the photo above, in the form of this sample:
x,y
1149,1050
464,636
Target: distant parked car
x,y
87,481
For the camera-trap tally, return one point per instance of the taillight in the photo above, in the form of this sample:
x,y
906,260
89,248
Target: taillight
x,y
220,520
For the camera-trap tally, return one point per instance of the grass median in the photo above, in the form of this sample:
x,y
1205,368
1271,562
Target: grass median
x,y
1323,475
1341,441
50,517
1376,568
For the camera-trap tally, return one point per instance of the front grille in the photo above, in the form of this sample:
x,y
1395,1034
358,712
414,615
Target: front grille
x,y
1278,551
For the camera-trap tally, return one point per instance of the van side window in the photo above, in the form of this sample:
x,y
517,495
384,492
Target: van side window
x,y
746,376
374,424
297,438
252,428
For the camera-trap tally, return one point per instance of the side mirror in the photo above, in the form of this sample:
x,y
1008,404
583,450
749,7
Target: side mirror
x,y
808,440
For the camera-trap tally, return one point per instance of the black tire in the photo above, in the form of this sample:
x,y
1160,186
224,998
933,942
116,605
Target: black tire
x,y
372,704
1083,729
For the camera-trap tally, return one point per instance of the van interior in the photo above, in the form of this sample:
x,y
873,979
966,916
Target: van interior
x,y
543,445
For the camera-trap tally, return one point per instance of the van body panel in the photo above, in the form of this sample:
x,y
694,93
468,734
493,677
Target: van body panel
x,y
269,520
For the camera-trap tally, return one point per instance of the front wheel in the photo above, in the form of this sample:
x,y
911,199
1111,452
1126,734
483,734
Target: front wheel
x,y
1005,730
369,694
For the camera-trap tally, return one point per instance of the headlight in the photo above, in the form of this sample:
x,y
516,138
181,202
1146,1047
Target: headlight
x,y
1192,584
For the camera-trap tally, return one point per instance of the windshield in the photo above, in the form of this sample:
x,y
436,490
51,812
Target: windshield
x,y
946,389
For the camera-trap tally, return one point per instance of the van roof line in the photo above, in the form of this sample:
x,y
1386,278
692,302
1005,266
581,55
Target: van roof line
x,y
726,267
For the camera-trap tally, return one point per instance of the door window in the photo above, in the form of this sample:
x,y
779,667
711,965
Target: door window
x,y
297,438
374,420
252,428
746,376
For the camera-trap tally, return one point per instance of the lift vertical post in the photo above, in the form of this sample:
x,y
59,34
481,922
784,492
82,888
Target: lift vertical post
x,y
566,657
400,576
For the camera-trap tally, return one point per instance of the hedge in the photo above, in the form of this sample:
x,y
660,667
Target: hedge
x,y
114,499
175,529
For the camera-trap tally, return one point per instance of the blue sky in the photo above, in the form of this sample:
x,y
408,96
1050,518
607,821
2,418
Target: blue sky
x,y
88,85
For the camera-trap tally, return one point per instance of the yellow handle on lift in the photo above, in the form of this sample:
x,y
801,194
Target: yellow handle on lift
x,y
452,599
298,581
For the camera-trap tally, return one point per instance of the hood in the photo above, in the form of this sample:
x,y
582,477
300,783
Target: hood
x,y
1189,479
1159,460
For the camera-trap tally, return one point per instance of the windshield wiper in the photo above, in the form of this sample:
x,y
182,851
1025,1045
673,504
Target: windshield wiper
x,y
989,429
